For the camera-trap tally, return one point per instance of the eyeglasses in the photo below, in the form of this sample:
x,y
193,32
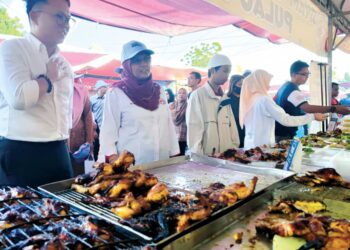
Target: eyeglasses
x,y
61,19
140,59
304,74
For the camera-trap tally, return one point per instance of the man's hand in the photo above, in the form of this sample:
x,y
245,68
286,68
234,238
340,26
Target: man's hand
x,y
342,110
320,117
53,69
57,69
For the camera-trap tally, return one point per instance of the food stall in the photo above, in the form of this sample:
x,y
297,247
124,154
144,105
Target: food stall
x,y
192,202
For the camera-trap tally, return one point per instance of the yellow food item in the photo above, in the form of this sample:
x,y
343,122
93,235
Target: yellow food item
x,y
309,207
238,236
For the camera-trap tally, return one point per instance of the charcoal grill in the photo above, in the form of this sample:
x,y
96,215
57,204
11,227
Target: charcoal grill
x,y
13,236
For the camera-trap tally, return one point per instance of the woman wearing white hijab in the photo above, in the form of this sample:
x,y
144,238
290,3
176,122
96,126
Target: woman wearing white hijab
x,y
258,111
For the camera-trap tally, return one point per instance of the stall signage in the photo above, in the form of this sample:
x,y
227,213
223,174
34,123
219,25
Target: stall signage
x,y
292,155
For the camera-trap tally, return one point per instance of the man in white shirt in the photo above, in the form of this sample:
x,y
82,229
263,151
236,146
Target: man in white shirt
x,y
36,89
208,128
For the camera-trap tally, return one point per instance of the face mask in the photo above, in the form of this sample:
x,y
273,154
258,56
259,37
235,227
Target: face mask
x,y
237,90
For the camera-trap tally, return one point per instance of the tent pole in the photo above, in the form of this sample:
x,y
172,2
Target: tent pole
x,y
328,93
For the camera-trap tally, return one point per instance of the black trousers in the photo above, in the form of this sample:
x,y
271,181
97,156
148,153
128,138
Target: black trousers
x,y
183,146
33,163
97,143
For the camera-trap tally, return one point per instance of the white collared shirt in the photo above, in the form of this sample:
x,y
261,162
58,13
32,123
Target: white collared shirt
x,y
23,115
149,135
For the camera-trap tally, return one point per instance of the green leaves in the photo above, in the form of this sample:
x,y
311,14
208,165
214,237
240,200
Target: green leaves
x,y
8,25
199,55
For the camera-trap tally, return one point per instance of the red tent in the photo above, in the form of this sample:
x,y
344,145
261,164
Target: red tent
x,y
170,18
107,70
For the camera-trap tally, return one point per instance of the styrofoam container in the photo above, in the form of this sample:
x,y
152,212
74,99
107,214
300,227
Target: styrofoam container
x,y
341,162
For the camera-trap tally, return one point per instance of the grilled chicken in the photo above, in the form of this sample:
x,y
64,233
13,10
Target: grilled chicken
x,y
158,193
254,154
16,193
125,160
118,188
242,190
320,232
324,176
53,208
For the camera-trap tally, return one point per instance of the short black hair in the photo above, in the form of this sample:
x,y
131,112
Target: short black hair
x,y
215,69
197,75
171,95
297,66
233,81
32,3
335,84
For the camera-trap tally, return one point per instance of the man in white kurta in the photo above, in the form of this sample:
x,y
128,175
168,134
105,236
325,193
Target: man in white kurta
x,y
208,130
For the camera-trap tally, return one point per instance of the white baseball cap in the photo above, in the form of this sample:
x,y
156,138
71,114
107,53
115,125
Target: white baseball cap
x,y
219,60
100,84
132,48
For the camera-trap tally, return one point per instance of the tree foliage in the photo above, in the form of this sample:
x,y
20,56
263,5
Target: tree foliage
x,y
199,56
346,77
8,25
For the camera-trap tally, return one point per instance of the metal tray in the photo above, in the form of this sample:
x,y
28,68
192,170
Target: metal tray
x,y
220,236
182,173
121,240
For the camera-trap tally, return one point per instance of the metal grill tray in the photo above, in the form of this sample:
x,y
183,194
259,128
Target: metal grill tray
x,y
122,240
211,236
182,173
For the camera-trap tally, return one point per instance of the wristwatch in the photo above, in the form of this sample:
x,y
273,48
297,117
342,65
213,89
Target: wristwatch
x,y
49,83
333,109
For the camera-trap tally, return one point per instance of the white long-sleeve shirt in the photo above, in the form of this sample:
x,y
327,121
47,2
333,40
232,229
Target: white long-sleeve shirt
x,y
260,122
23,115
149,135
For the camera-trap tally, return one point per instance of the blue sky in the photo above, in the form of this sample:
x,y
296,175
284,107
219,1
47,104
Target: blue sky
x,y
245,50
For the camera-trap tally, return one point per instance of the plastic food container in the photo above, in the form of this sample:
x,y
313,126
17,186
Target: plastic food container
x,y
341,162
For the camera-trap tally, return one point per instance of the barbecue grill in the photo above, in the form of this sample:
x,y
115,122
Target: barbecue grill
x,y
40,229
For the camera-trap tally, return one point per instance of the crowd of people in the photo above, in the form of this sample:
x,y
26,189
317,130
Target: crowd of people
x,y
47,115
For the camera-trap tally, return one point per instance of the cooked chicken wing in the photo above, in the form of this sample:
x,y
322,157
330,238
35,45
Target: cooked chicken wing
x,y
158,193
